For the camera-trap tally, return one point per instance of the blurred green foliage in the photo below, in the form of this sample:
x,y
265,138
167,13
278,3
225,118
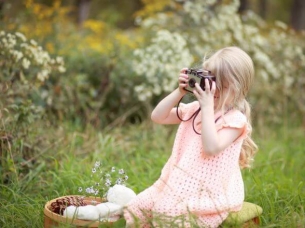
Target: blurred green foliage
x,y
109,69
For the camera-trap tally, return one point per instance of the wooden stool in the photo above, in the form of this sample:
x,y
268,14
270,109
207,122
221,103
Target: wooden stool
x,y
248,216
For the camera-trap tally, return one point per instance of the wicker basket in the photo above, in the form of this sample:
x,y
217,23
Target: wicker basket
x,y
52,219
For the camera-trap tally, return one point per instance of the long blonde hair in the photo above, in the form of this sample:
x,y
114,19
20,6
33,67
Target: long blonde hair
x,y
234,67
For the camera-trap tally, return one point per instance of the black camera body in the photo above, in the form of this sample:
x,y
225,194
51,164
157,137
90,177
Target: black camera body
x,y
198,76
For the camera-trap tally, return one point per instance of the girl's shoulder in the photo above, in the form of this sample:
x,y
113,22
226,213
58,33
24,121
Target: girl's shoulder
x,y
236,115
234,118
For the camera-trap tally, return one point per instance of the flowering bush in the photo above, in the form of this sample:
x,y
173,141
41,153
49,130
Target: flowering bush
x,y
108,66
277,52
25,60
102,180
160,62
25,68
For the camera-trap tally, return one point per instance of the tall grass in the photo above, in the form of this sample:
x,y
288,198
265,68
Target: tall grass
x,y
276,181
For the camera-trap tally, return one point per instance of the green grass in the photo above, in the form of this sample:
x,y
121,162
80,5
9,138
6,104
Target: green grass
x,y
276,182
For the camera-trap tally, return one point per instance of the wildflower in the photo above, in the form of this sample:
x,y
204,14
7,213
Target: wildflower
x,y
102,179
80,189
119,181
59,59
97,164
21,36
90,190
17,54
33,42
4,41
25,63
121,171
108,182
42,75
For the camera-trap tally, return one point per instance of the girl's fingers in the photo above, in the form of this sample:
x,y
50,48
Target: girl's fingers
x,y
207,85
210,86
183,70
213,89
198,89
196,93
183,79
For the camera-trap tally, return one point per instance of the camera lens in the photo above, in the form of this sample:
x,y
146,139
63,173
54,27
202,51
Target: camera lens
x,y
192,82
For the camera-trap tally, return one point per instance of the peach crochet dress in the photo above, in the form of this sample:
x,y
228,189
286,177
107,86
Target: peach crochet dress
x,y
193,183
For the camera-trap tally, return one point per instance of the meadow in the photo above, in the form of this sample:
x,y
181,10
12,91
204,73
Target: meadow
x,y
64,90
276,181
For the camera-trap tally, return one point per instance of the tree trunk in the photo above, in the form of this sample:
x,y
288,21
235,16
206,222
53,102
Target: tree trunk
x,y
297,18
83,10
1,8
244,5
262,8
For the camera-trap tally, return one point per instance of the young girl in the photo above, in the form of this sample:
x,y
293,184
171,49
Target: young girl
x,y
201,182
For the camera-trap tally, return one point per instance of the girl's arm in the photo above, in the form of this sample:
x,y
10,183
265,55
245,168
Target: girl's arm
x,y
164,112
213,141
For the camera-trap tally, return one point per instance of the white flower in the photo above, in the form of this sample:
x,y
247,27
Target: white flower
x,y
119,181
90,190
61,69
26,63
33,42
21,36
40,77
103,180
4,41
108,182
59,59
121,171
17,54
97,164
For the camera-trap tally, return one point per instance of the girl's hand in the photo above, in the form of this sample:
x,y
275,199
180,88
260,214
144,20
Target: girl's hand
x,y
183,80
205,98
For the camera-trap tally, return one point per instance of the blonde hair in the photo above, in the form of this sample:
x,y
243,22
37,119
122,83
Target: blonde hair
x,y
233,67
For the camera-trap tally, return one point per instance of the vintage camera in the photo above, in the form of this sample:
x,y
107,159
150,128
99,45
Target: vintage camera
x,y
198,76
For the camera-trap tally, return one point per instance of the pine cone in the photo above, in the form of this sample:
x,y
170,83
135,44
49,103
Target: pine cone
x,y
61,204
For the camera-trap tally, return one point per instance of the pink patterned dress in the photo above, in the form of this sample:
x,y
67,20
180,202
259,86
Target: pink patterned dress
x,y
207,187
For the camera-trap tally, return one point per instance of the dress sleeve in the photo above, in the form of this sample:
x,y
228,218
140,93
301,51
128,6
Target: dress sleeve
x,y
186,110
235,119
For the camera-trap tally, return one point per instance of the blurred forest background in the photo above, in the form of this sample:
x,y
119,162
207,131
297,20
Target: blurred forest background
x,y
72,69
98,55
